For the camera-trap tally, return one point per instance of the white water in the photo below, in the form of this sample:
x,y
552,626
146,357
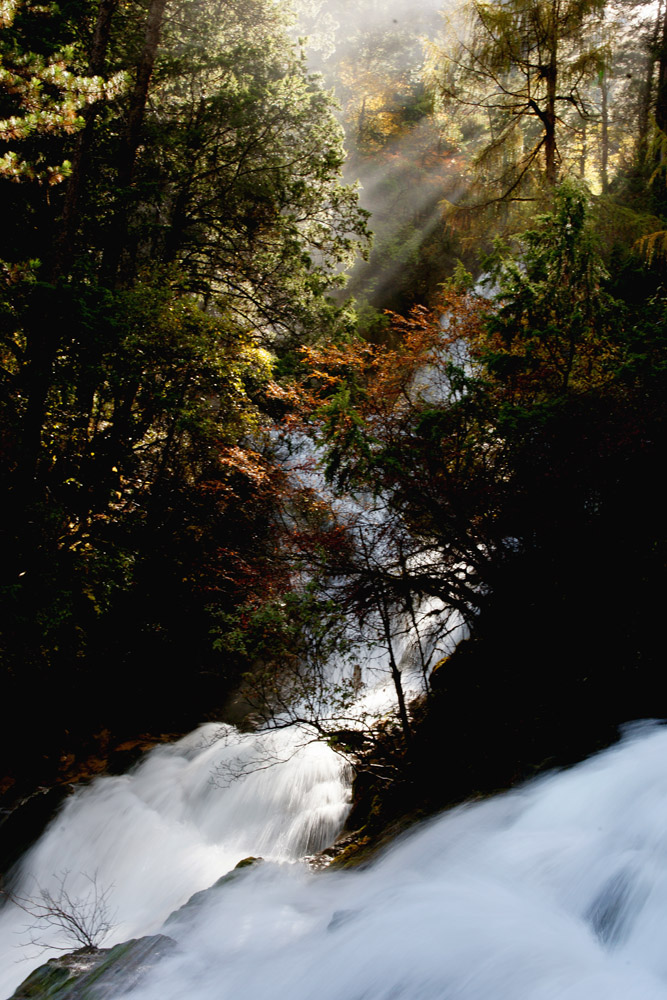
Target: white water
x,y
557,890
174,825
187,815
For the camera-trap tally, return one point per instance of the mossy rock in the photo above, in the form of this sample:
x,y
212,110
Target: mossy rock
x,y
354,853
95,974
47,981
245,863
198,898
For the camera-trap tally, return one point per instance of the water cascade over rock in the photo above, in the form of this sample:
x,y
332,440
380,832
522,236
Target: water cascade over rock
x,y
556,890
173,826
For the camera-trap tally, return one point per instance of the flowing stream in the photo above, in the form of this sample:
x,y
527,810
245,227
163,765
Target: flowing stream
x,y
184,817
188,814
556,890
147,841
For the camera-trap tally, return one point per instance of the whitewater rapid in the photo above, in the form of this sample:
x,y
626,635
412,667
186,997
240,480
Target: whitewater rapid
x,y
190,811
555,891
558,890
174,825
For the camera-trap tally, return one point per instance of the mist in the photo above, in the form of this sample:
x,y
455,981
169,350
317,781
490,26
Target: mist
x,y
402,153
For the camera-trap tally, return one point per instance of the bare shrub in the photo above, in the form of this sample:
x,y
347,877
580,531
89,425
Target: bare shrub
x,y
61,919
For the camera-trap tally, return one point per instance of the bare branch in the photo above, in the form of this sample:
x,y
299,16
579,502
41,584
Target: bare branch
x,y
61,919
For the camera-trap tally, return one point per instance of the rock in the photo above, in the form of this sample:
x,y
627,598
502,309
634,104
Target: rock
x,y
105,973
196,900
95,974
245,863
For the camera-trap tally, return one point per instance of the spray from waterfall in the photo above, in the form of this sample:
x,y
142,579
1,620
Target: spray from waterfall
x,y
556,891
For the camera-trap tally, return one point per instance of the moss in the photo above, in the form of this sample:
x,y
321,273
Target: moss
x,y
354,853
245,863
90,974
45,982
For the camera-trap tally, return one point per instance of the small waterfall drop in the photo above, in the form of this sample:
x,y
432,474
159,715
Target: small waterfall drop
x,y
181,819
191,811
557,891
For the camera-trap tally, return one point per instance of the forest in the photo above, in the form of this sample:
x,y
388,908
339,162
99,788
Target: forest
x,y
323,328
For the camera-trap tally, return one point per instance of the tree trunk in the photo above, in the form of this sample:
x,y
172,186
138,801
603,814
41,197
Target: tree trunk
x,y
604,152
400,696
551,79
383,605
647,92
550,149
43,333
584,149
140,91
63,244
661,89
131,139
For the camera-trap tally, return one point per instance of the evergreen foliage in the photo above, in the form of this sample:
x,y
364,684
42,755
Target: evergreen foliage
x,y
525,65
175,221
176,236
516,447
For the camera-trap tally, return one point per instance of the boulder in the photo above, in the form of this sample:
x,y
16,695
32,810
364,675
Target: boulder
x,y
95,973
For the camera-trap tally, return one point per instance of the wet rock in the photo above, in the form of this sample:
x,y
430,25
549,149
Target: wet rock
x,y
95,974
198,898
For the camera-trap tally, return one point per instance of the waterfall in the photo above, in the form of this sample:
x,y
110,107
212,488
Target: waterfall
x,y
187,815
174,825
555,890
191,811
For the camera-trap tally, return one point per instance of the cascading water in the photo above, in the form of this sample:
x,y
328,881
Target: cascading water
x,y
173,826
557,890
190,812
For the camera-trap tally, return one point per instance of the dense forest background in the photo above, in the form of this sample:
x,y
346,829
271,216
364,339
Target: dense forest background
x,y
188,287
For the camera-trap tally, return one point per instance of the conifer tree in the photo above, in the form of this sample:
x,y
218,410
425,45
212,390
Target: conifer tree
x,y
522,66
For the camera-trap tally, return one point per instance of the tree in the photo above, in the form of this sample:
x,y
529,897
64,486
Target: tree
x,y
554,323
247,182
43,94
62,920
514,444
521,67
145,299
399,148
234,189
444,426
